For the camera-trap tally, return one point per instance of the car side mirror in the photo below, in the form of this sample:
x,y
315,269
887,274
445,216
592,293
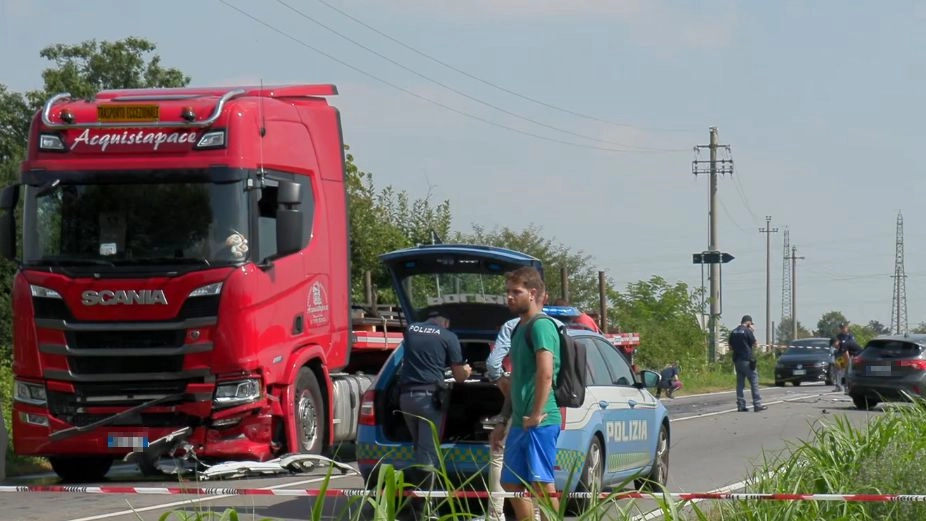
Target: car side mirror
x,y
650,379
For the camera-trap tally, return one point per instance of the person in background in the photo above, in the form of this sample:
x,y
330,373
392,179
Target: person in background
x,y
669,380
840,364
742,342
848,344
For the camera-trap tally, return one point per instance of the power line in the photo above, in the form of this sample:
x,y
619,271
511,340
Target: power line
x,y
468,96
415,94
724,207
489,83
742,193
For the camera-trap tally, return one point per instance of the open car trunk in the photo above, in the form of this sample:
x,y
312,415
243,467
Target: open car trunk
x,y
469,403
466,284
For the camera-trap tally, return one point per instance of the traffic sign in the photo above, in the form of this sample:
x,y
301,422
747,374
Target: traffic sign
x,y
711,257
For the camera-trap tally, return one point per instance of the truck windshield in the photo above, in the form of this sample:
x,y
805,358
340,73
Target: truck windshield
x,y
102,220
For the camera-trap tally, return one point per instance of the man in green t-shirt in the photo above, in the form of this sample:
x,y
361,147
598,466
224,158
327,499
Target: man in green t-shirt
x,y
530,448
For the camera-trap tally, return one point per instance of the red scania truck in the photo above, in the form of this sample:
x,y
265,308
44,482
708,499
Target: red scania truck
x,y
184,266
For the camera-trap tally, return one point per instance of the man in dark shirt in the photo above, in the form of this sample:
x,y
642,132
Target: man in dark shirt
x,y
846,343
742,342
847,340
428,349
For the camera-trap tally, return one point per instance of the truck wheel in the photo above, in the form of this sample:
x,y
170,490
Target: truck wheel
x,y
659,473
81,469
310,413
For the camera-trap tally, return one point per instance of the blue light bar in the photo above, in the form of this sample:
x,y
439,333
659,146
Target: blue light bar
x,y
561,311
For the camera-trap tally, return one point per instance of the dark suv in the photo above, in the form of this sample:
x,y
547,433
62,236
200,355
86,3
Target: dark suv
x,y
890,368
805,360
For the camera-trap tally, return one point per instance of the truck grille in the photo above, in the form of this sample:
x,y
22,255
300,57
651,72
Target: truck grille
x,y
70,407
124,339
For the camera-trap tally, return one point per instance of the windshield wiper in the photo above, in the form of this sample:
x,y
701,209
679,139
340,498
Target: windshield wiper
x,y
71,262
195,261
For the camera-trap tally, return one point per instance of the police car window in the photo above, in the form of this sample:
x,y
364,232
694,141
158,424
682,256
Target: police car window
x,y
621,374
598,373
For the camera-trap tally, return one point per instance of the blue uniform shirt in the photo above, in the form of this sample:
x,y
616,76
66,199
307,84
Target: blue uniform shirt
x,y
428,350
741,342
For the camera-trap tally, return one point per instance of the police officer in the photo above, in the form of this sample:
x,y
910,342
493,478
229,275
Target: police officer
x,y
743,341
429,348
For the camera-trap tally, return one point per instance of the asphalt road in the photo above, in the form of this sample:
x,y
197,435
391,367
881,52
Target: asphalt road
x,y
713,447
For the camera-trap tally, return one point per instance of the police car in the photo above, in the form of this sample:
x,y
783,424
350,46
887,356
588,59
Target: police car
x,y
620,433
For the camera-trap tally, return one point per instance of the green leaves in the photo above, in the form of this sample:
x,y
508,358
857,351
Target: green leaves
x,y
90,66
382,220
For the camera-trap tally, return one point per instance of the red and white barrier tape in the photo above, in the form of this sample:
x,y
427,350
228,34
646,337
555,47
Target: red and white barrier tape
x,y
677,496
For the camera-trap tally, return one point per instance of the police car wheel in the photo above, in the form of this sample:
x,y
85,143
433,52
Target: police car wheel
x,y
309,414
659,473
591,478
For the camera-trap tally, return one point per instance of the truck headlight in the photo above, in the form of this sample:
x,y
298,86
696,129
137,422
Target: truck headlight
x,y
238,392
33,394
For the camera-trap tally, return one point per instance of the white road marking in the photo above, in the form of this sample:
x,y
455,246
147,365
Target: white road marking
x,y
726,411
198,500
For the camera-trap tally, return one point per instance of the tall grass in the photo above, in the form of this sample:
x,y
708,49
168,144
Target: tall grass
x,y
888,456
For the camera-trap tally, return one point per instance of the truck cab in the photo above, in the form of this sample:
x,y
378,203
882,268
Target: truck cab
x,y
184,266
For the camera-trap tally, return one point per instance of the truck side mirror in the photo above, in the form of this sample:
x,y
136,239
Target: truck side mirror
x,y
9,196
289,218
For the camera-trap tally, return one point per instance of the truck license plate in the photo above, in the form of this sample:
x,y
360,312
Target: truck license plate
x,y
118,441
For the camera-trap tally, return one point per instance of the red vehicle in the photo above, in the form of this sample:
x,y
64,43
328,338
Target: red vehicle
x,y
184,269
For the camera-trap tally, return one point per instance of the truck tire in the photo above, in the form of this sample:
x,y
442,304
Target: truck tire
x,y
309,414
81,469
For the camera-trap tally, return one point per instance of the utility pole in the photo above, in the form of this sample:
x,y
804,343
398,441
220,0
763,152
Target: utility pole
x,y
794,258
768,231
715,166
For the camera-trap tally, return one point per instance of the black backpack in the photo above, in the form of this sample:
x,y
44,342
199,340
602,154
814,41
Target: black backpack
x,y
569,384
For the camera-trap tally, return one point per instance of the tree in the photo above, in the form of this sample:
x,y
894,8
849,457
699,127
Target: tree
x,y
919,329
14,131
91,66
878,328
382,221
582,276
828,325
665,315
783,331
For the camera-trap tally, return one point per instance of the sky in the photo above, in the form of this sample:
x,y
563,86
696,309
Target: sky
x,y
581,118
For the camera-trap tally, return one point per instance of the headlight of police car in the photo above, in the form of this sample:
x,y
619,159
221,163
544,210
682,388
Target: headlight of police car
x,y
237,392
